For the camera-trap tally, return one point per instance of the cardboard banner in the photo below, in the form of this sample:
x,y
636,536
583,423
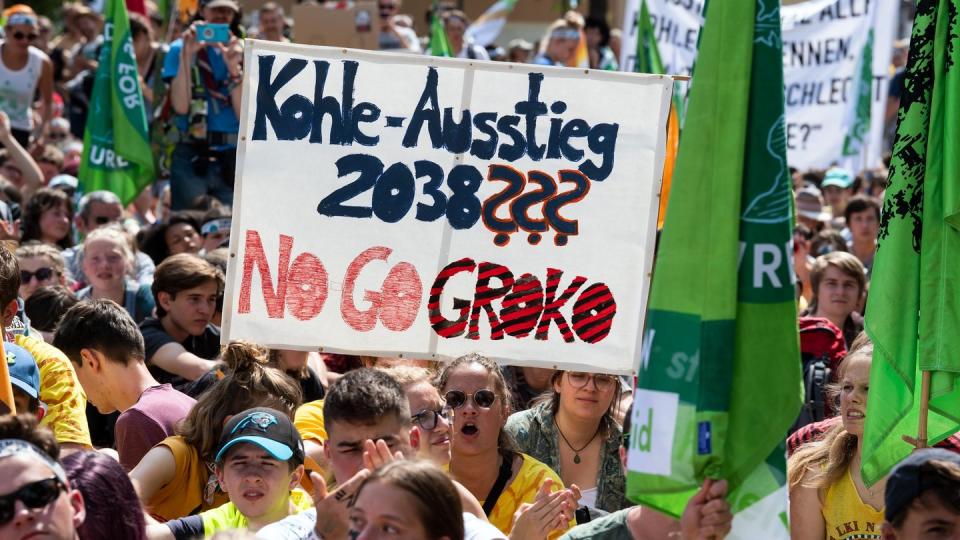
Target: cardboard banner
x,y
356,25
399,205
823,41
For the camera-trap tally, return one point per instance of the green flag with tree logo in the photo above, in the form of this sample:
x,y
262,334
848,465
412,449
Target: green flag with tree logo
x,y
116,144
719,383
913,310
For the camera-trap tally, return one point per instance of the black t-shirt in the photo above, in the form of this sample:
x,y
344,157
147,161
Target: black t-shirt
x,y
206,345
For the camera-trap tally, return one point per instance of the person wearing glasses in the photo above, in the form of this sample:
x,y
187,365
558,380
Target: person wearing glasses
x,y
36,499
484,457
24,69
394,37
40,265
571,429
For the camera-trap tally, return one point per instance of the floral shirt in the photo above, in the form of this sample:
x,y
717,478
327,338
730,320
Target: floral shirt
x,y
535,433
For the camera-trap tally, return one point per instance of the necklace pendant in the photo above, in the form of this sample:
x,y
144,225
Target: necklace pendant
x,y
576,458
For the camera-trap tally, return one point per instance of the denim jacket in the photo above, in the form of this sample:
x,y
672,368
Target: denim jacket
x,y
535,433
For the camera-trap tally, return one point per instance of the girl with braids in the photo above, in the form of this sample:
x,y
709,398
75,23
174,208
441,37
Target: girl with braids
x,y
176,478
484,458
827,492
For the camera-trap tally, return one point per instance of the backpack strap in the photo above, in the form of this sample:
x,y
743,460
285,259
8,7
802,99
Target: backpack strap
x,y
506,470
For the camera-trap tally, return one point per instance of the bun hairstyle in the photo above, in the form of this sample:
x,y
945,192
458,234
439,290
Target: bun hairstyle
x,y
247,383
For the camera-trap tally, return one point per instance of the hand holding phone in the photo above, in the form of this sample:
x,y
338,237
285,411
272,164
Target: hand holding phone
x,y
213,33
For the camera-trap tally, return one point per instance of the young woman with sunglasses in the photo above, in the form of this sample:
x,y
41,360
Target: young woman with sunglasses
x,y
572,430
484,458
40,265
24,69
35,495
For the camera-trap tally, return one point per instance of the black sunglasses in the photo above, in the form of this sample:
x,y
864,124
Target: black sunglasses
x,y
33,495
481,398
42,274
20,35
428,419
101,220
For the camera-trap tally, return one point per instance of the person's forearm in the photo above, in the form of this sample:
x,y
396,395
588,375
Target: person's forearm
x,y
236,99
180,87
30,171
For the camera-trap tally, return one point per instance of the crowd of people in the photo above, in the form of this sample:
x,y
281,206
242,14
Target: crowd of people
x,y
134,421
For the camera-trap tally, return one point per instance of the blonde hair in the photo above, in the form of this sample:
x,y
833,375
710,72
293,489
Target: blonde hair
x,y
37,249
829,458
845,262
113,233
407,376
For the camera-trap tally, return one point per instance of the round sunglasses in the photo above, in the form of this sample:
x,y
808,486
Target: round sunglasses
x,y
481,398
21,36
33,495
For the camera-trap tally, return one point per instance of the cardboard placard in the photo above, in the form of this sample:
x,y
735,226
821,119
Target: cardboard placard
x,y
356,26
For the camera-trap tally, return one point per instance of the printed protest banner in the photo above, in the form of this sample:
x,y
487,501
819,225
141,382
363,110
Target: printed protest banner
x,y
430,207
824,42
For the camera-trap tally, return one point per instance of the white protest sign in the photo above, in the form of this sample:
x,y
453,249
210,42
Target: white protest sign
x,y
823,41
408,205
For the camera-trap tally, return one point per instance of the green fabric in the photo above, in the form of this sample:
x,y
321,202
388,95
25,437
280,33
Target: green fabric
x,y
648,52
439,44
116,144
914,295
856,138
722,322
610,527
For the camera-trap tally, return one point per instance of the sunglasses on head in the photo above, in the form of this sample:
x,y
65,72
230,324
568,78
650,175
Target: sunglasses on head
x,y
21,36
33,495
42,274
428,419
481,398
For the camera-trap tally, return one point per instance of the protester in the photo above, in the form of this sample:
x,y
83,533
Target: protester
x,y
572,430
107,261
826,488
50,160
106,347
60,390
837,187
181,344
150,57
46,306
111,506
26,71
597,33
205,91
559,44
48,218
922,497
393,36
271,23
178,234
294,364
455,23
520,51
838,282
259,464
483,451
16,164
43,503
24,380
412,499
175,478
40,265
862,216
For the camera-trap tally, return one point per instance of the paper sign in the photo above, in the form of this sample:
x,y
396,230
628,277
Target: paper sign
x,y
407,205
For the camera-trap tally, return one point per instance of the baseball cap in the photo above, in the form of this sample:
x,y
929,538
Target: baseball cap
x,y
24,373
810,204
836,176
222,3
267,428
907,481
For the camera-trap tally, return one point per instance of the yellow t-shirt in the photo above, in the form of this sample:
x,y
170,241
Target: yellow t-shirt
x,y
60,391
309,422
845,514
523,489
193,488
227,516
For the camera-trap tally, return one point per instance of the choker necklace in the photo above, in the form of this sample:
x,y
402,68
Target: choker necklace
x,y
576,451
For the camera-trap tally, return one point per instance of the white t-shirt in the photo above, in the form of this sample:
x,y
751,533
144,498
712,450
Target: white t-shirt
x,y
300,527
17,89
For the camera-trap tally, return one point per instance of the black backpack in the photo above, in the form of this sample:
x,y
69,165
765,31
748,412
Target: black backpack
x,y
821,349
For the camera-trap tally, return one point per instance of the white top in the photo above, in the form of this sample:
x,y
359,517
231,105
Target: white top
x,y
588,497
300,527
17,89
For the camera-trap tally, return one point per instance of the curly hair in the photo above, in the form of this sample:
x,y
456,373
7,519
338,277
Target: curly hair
x,y
46,199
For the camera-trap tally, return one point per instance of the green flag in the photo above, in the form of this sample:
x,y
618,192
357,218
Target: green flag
x,y
719,383
439,44
116,144
913,312
648,52
858,127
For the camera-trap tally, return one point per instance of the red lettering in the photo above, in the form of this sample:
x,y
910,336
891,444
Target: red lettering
x,y
253,255
593,313
441,325
483,295
307,287
365,320
402,292
552,305
522,307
